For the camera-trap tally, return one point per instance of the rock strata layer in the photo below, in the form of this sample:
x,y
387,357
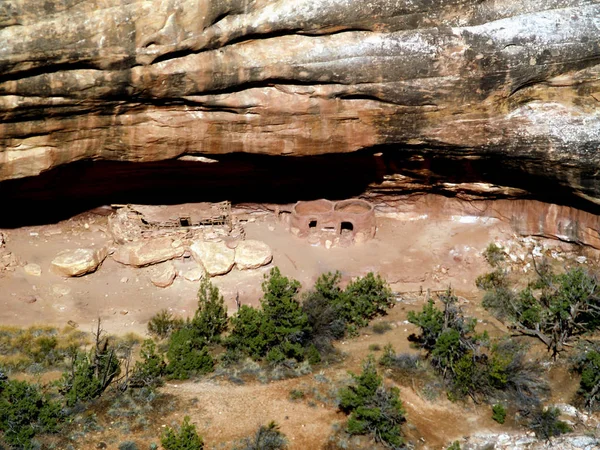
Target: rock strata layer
x,y
153,80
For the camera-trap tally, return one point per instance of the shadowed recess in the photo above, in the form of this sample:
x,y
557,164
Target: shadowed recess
x,y
74,188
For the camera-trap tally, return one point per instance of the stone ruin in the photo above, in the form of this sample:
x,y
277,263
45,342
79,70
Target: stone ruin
x,y
189,240
344,222
208,221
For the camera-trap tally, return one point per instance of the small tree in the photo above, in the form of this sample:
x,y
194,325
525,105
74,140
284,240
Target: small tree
x,y
373,408
285,320
280,330
186,438
323,308
267,437
210,319
91,373
246,332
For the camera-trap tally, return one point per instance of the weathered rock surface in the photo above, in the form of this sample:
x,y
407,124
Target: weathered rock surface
x,y
251,254
147,252
527,217
215,257
74,263
194,274
152,80
163,275
522,441
33,269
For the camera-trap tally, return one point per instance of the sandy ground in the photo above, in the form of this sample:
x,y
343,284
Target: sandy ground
x,y
408,254
412,255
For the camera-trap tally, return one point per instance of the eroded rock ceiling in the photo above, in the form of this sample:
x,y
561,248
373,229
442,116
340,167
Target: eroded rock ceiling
x,y
151,80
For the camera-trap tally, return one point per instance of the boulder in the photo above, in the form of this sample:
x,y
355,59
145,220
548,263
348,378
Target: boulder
x,y
163,275
147,252
33,269
75,263
194,274
252,254
215,257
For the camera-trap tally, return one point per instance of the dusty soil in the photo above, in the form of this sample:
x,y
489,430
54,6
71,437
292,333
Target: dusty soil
x,y
414,255
409,254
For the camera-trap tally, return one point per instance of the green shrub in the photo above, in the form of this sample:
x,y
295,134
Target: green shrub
x,y
322,307
589,385
25,411
187,355
150,368
494,255
364,299
128,445
296,394
267,437
555,308
499,413
454,446
465,360
90,373
381,327
545,424
312,354
186,438
388,356
431,322
373,409
162,324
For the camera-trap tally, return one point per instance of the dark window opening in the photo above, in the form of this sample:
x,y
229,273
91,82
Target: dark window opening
x,y
184,221
312,224
329,229
346,226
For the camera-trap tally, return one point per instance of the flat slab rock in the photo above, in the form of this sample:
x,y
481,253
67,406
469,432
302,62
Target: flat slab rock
x,y
148,252
75,263
252,254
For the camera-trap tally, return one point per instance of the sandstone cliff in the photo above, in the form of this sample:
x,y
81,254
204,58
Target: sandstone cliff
x,y
148,80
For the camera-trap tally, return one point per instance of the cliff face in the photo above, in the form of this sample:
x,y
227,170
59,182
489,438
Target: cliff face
x,y
149,80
